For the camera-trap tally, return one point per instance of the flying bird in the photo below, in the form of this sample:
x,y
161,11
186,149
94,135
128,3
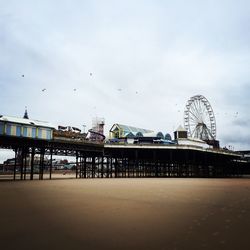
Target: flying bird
x,y
22,75
90,74
43,90
74,89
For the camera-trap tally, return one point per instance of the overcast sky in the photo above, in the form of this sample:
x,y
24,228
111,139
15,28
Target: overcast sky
x,y
130,62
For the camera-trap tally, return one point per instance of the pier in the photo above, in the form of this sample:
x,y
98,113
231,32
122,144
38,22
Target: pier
x,y
100,160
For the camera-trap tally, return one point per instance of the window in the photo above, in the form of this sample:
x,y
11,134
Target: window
x,y
48,134
8,129
25,131
33,132
18,130
1,128
39,133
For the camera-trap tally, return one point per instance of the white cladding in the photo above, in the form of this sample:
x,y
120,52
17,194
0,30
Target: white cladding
x,y
193,142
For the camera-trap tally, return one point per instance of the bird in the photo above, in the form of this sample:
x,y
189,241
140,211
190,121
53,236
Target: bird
x,y
22,75
136,92
119,89
74,89
90,74
43,90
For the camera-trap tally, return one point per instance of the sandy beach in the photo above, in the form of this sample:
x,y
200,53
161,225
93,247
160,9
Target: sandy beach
x,y
125,214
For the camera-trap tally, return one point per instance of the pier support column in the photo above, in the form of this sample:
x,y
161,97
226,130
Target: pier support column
x,y
102,167
80,165
14,175
111,167
93,167
107,167
128,167
22,157
116,168
32,163
135,165
50,165
155,162
85,168
41,165
76,164
25,163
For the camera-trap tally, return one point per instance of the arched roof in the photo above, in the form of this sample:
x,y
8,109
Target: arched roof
x,y
125,129
139,134
129,135
168,137
160,134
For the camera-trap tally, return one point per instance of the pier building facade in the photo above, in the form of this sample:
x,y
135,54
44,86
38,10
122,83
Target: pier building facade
x,y
23,127
95,159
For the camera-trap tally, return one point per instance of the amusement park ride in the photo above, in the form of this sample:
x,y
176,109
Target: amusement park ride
x,y
199,120
96,133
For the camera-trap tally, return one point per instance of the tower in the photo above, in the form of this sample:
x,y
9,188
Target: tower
x,y
25,116
97,131
180,133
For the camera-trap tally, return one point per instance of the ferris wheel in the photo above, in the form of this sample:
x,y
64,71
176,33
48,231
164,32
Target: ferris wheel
x,y
199,119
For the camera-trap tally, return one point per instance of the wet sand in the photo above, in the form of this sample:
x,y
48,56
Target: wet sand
x,y
125,214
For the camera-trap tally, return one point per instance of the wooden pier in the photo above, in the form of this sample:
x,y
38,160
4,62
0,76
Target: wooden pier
x,y
98,160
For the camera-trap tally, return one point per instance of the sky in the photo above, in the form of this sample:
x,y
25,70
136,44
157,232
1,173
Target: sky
x,y
130,62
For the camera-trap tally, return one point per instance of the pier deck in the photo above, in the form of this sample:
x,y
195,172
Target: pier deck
x,y
98,160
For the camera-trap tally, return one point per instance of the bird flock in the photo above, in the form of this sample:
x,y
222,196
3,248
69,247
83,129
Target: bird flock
x,y
91,74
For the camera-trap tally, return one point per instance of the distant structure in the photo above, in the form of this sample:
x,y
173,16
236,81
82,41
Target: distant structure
x,y
25,116
97,130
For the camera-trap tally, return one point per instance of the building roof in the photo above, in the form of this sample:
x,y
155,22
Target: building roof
x,y
25,121
180,128
130,129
